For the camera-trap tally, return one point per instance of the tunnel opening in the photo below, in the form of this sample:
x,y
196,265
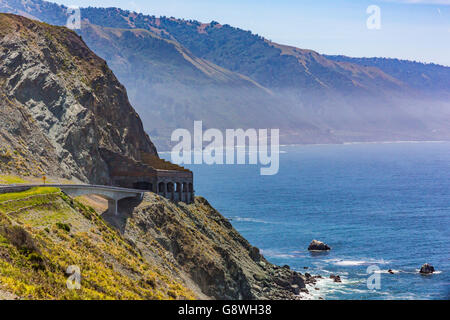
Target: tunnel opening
x,y
142,185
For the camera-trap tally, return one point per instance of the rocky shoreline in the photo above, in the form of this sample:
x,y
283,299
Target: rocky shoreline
x,y
206,252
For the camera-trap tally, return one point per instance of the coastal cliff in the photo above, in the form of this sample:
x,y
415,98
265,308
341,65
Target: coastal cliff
x,y
60,106
203,245
154,249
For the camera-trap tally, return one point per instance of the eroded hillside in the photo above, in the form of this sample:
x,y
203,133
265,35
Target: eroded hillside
x,y
200,242
184,88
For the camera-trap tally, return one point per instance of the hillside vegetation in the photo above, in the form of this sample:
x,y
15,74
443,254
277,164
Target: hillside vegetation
x,y
154,249
43,232
184,88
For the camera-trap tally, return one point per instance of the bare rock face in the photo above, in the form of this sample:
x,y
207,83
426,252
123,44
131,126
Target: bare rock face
x,y
316,245
427,269
60,103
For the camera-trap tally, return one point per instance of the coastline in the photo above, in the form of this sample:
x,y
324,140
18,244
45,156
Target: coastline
x,y
340,144
326,193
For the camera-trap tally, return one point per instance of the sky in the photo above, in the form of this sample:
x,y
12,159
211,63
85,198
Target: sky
x,y
417,30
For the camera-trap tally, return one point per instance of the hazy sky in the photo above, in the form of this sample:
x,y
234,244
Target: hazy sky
x,y
410,29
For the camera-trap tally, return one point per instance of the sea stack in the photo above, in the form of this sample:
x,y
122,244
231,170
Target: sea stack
x,y
336,278
427,269
316,245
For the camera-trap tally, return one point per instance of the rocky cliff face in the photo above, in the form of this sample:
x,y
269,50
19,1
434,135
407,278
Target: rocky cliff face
x,y
61,104
203,248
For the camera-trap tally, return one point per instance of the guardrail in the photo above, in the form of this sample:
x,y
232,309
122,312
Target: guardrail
x,y
12,189
112,194
24,187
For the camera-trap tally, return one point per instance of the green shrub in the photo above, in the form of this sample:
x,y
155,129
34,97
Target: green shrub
x,y
63,226
37,262
19,238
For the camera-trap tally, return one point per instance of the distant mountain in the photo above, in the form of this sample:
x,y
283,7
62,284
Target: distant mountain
x,y
170,87
427,77
178,71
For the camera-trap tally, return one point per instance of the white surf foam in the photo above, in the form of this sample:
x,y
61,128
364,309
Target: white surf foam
x,y
241,219
352,263
276,254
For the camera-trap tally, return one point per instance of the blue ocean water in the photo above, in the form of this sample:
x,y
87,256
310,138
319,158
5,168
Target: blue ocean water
x,y
384,204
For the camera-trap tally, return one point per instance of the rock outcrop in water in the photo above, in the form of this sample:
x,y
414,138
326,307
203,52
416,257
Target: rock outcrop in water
x,y
427,269
316,245
336,278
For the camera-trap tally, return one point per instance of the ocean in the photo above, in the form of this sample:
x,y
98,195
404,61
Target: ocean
x,y
376,204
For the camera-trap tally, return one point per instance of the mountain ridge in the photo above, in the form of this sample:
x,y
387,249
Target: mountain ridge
x,y
313,98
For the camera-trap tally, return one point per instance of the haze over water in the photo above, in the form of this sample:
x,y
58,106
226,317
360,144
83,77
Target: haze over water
x,y
374,204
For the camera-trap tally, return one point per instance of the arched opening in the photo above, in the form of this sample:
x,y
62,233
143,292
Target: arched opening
x,y
178,186
143,185
170,187
161,187
191,187
185,187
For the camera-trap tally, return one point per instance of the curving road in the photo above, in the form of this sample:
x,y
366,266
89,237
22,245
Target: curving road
x,y
112,194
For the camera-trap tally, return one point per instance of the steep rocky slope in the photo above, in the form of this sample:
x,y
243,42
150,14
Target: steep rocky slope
x,y
60,103
198,240
155,249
